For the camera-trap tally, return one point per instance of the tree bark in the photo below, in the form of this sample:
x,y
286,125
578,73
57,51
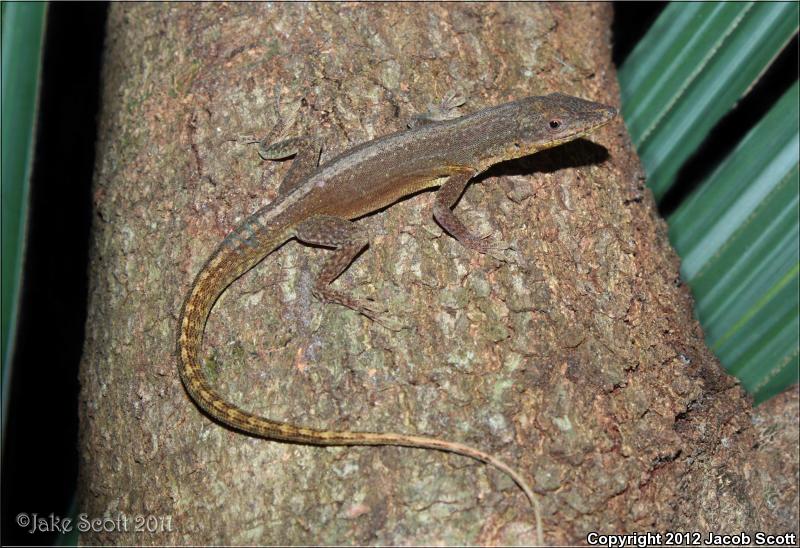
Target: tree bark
x,y
580,363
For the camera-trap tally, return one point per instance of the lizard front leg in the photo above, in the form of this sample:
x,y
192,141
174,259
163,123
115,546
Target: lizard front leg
x,y
447,109
446,197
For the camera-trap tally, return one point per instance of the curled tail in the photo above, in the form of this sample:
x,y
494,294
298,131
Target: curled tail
x,y
232,259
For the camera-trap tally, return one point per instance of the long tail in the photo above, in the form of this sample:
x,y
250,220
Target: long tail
x,y
232,259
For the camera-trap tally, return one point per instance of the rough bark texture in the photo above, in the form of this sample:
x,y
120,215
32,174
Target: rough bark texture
x,y
581,363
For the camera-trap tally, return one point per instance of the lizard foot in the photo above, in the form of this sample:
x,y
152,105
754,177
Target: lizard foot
x,y
392,323
448,109
368,307
497,249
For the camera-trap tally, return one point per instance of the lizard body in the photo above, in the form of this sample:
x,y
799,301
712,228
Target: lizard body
x,y
316,205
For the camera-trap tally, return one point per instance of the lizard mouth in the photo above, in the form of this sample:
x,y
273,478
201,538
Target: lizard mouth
x,y
600,118
591,120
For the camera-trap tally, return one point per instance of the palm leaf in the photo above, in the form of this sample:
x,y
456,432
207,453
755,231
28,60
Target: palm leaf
x,y
741,257
737,234
22,32
696,61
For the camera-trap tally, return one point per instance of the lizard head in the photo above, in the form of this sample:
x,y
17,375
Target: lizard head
x,y
551,120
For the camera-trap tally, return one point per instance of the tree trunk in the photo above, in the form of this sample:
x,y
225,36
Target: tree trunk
x,y
580,363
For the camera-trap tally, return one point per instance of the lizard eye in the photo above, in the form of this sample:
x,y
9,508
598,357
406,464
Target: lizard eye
x,y
555,124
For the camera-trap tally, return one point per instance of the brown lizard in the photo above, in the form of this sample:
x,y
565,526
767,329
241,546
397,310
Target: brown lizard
x,y
315,204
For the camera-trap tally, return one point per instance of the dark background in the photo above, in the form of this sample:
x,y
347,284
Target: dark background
x,y
40,449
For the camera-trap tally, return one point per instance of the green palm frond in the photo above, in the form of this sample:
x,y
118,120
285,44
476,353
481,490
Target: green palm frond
x,y
741,258
738,233
22,33
690,69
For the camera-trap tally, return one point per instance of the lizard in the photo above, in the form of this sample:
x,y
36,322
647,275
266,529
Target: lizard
x,y
316,205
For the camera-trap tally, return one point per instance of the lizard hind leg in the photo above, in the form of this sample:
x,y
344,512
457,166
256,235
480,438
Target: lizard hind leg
x,y
306,151
348,239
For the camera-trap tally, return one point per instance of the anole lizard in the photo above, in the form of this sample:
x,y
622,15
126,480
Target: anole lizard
x,y
315,204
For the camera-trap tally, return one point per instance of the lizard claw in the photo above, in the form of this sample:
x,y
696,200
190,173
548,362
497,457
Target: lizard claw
x,y
497,249
371,309
391,323
377,313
